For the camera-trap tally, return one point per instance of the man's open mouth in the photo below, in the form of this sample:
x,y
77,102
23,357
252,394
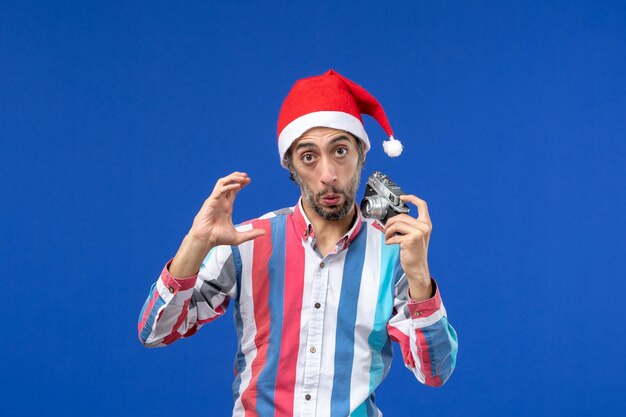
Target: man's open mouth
x,y
331,199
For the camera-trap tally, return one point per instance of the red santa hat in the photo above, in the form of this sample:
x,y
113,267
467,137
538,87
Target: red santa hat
x,y
330,100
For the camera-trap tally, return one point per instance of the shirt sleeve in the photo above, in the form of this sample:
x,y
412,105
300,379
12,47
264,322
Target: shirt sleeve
x,y
178,307
427,340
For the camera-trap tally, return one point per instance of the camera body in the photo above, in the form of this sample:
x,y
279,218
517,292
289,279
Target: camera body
x,y
382,199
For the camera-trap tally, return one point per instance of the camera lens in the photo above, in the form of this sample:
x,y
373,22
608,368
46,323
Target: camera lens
x,y
374,207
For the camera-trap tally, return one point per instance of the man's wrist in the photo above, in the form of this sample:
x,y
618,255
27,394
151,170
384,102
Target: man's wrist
x,y
189,257
196,243
421,289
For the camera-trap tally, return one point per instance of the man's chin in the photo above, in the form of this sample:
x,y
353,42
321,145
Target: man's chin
x,y
331,217
334,212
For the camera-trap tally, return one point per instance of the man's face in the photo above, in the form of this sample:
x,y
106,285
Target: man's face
x,y
326,166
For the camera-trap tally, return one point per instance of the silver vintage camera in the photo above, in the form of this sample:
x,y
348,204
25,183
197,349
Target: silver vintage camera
x,y
382,199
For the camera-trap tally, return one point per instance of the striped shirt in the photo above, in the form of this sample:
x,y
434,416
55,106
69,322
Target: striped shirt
x,y
314,333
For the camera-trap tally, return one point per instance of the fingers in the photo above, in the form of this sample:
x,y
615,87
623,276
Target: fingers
x,y
422,207
395,240
231,182
249,235
234,178
235,186
400,227
412,221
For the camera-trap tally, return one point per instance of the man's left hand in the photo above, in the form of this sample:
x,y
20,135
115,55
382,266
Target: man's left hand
x,y
413,234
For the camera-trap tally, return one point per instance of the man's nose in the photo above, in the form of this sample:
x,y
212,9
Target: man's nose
x,y
329,174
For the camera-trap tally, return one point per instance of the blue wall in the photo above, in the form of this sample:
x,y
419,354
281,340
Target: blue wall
x,y
116,119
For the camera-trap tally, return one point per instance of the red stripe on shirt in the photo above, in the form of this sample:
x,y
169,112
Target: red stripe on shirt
x,y
405,345
219,311
422,343
423,354
260,294
292,310
175,335
147,311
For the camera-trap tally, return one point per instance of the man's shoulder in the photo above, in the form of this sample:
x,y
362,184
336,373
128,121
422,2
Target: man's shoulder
x,y
286,211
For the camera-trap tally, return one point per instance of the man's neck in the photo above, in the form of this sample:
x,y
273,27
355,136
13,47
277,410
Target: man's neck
x,y
328,232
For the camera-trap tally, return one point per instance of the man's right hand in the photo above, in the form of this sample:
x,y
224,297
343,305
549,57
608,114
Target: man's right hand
x,y
214,222
212,226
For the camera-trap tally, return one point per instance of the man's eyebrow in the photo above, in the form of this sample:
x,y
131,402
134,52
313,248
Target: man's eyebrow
x,y
306,144
338,138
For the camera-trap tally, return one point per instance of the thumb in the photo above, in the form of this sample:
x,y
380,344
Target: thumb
x,y
249,235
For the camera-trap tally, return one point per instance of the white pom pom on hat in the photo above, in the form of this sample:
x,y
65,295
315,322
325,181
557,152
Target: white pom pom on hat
x,y
392,147
330,100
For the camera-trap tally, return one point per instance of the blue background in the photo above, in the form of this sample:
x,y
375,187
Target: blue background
x,y
116,119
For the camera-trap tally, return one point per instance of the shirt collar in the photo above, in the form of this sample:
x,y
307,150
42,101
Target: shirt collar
x,y
305,227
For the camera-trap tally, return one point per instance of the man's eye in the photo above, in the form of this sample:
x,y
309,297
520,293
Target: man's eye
x,y
341,151
307,157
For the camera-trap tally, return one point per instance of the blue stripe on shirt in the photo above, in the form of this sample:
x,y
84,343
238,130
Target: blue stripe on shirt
x,y
361,410
346,317
378,338
266,384
158,303
240,358
442,346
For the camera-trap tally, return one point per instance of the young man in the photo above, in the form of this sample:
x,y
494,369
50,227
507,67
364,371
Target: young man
x,y
319,292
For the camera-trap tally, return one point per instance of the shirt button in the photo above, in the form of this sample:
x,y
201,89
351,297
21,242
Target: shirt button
x,y
312,350
317,305
417,313
171,289
322,265
307,397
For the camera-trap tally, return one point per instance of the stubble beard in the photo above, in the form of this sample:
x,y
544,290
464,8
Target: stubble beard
x,y
339,212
